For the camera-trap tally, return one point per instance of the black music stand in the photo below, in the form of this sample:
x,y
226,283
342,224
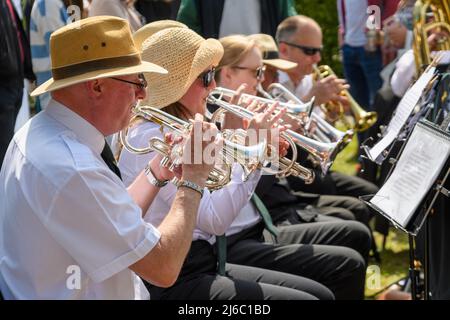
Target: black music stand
x,y
419,217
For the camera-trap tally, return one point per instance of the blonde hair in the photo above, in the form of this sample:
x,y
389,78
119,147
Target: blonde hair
x,y
236,48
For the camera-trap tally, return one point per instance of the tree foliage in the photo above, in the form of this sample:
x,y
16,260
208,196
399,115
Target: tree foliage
x,y
325,13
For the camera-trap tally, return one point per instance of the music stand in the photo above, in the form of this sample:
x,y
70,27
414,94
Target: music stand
x,y
428,191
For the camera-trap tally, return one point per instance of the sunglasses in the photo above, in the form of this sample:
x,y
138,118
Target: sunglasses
x,y
309,51
142,84
207,77
259,72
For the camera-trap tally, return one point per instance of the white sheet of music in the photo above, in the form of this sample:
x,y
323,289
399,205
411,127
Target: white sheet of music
x,y
417,169
404,109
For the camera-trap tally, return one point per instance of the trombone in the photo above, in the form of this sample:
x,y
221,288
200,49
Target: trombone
x,y
234,149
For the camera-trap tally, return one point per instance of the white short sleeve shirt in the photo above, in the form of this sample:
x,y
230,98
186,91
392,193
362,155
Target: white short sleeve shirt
x,y
69,229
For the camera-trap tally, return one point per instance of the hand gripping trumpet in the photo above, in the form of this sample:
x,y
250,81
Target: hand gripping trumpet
x,y
234,149
325,153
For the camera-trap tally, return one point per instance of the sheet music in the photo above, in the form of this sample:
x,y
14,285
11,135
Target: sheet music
x,y
418,168
404,109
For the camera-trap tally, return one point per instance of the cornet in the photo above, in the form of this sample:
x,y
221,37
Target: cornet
x,y
287,166
296,109
363,120
234,150
278,92
319,129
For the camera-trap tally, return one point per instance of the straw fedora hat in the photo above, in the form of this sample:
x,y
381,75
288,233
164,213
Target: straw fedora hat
x,y
153,27
269,51
185,55
93,48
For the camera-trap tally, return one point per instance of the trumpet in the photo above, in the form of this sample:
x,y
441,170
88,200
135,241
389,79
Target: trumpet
x,y
295,109
363,120
234,149
323,152
319,129
278,92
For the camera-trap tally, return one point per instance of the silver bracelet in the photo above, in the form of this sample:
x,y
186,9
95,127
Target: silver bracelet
x,y
152,179
188,184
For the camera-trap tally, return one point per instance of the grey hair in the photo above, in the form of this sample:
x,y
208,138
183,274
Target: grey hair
x,y
289,26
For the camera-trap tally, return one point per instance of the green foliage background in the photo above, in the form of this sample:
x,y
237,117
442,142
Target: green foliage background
x,y
325,13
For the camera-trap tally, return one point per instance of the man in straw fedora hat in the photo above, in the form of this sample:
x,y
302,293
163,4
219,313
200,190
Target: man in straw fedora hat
x,y
70,229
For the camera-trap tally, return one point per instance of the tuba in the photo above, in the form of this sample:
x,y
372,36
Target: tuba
x,y
234,149
334,111
439,10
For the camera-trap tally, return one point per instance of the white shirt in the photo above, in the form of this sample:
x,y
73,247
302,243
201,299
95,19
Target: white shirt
x,y
217,211
62,209
240,17
302,89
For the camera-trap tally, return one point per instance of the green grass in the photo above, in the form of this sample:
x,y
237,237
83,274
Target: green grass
x,y
394,257
394,262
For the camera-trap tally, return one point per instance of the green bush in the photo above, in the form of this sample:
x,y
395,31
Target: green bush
x,y
325,13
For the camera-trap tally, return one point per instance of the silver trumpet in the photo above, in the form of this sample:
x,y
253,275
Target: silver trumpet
x,y
233,150
319,129
278,92
285,166
323,152
295,109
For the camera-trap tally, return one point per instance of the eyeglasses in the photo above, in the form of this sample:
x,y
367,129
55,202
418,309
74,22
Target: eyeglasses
x,y
141,85
207,77
309,51
258,71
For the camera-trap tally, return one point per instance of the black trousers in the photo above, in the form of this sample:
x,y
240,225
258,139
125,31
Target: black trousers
x,y
199,281
326,252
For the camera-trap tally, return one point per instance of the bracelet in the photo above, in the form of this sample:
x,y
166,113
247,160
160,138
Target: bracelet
x,y
188,184
152,179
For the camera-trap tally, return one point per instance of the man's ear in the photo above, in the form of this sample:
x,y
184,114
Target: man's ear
x,y
94,88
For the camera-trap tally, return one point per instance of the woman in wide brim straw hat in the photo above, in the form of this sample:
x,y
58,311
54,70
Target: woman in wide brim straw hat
x,y
190,60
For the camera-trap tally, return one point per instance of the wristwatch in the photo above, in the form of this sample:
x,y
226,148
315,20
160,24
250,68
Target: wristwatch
x,y
152,179
188,184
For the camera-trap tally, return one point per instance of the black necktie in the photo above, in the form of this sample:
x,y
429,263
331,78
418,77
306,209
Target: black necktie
x,y
108,157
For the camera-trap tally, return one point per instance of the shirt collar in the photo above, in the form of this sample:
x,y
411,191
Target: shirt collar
x,y
84,131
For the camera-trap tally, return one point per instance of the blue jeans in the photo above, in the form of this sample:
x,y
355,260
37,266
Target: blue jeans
x,y
362,71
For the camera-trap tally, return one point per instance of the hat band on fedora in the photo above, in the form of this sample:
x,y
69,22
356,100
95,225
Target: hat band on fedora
x,y
95,65
268,55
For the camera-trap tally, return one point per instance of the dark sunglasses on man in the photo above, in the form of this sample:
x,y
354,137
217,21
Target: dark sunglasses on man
x,y
259,72
309,51
207,77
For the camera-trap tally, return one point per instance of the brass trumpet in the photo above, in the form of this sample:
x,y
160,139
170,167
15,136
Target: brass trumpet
x,y
234,149
363,120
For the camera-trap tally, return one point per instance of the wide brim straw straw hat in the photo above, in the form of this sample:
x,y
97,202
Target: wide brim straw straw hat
x,y
93,48
153,27
185,55
269,50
